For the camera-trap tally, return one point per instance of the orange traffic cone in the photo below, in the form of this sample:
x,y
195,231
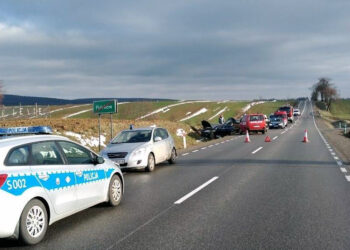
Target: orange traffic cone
x,y
305,140
267,139
247,139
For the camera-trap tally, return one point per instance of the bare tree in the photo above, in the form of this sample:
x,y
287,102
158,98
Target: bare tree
x,y
325,90
330,94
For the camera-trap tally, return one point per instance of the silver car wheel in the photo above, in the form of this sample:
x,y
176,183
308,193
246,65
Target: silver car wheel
x,y
150,163
35,221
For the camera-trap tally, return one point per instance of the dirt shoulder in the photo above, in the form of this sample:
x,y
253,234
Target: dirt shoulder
x,y
336,138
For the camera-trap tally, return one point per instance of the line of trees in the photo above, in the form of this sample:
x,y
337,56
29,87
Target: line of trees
x,y
324,91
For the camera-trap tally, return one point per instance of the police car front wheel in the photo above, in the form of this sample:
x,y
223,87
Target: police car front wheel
x,y
33,222
115,191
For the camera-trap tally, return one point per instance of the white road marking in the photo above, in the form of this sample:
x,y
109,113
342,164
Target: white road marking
x,y
343,170
222,142
336,158
257,150
283,132
194,151
196,190
339,163
332,153
330,150
204,148
275,138
217,144
347,177
185,154
210,146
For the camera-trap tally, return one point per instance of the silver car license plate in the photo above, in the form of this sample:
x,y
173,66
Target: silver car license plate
x,y
120,161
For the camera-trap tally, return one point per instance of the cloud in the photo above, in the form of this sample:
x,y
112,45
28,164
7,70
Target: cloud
x,y
182,49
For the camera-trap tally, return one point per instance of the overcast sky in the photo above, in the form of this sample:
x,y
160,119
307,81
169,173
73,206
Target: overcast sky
x,y
183,49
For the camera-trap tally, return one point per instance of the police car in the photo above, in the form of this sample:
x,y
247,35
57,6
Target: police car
x,y
44,178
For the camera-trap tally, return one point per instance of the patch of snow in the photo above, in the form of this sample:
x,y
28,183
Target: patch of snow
x,y
188,113
218,113
76,106
247,107
85,141
201,111
223,101
77,113
167,108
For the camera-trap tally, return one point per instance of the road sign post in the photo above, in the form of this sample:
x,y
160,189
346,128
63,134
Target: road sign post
x,y
104,107
182,133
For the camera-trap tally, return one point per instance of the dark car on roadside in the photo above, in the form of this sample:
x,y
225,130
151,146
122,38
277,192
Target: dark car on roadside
x,y
231,126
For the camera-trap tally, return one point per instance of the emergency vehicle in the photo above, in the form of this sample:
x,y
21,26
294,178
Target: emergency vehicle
x,y
45,178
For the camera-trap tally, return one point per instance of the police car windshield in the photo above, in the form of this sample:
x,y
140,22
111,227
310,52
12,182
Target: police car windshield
x,y
133,136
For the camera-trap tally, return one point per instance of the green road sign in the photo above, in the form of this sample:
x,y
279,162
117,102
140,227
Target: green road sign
x,y
105,107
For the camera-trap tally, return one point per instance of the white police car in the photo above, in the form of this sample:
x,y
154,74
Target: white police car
x,y
44,178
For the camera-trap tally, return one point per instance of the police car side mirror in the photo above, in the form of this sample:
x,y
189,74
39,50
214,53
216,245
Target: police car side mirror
x,y
99,160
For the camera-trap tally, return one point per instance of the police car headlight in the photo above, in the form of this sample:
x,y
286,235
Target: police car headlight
x,y
138,152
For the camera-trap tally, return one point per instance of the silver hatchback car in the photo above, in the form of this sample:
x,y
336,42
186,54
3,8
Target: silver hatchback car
x,y
141,148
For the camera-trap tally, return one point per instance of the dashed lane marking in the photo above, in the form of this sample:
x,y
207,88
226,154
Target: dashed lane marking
x,y
257,150
343,170
185,154
195,190
204,148
275,138
347,177
194,151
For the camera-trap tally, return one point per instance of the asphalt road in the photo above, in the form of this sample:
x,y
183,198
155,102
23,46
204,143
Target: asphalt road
x,y
285,195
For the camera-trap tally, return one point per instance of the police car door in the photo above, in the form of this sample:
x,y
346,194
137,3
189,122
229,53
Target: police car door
x,y
55,177
91,178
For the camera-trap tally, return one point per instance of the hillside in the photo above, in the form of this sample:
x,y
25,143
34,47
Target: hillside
x,y
85,131
340,110
15,100
79,123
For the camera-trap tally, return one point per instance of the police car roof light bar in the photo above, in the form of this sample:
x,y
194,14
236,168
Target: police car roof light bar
x,y
25,130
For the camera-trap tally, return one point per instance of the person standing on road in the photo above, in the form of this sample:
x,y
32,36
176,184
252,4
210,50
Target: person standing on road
x,y
221,119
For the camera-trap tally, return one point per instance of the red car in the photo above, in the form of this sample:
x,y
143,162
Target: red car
x,y
253,122
290,112
283,115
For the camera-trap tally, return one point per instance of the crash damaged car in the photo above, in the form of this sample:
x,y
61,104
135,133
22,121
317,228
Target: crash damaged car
x,y
209,131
